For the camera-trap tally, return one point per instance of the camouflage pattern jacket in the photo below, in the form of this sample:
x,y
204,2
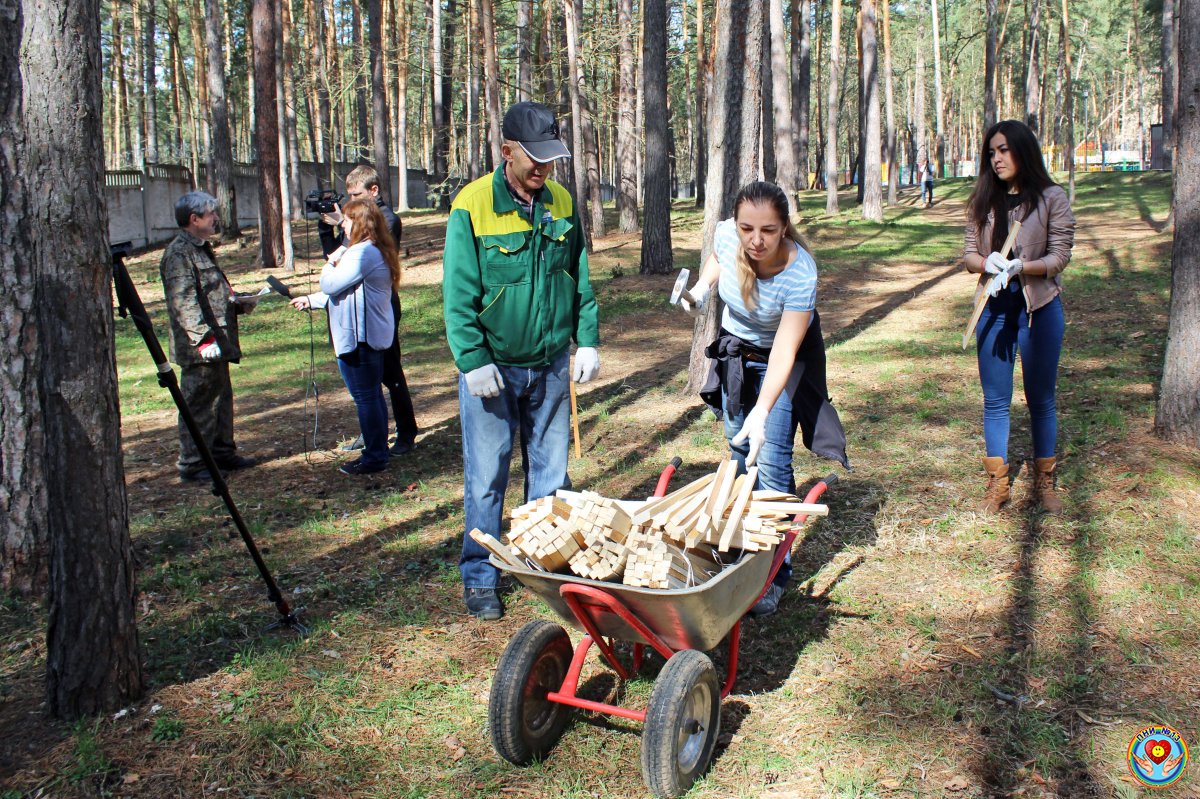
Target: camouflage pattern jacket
x,y
199,301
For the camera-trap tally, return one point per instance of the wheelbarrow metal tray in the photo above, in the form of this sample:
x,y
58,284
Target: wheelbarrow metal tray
x,y
685,618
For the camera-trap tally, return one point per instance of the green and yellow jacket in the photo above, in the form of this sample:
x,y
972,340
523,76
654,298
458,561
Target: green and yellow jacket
x,y
515,293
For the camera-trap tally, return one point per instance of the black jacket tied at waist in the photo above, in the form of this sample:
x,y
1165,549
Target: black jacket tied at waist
x,y
816,417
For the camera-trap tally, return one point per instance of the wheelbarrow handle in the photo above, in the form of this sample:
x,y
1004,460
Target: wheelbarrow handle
x,y
664,479
785,546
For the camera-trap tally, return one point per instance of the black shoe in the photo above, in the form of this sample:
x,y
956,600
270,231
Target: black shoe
x,y
402,447
235,462
200,475
355,445
483,603
358,467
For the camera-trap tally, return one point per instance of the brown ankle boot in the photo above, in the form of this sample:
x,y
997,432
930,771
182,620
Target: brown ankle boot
x,y
997,488
1043,485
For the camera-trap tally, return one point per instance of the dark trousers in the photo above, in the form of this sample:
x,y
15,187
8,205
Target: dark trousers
x,y
397,386
209,396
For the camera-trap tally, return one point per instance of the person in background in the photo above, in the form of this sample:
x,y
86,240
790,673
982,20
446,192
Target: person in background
x,y
1024,314
768,362
204,334
925,171
359,280
516,291
362,183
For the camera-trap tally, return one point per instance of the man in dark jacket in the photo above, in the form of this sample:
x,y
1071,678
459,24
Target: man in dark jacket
x,y
204,336
363,183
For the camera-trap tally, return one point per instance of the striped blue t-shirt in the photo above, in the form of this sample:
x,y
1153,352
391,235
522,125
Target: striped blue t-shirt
x,y
793,289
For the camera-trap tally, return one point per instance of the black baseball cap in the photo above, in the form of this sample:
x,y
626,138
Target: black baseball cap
x,y
534,127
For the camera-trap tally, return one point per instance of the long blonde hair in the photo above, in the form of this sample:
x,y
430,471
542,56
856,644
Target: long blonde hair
x,y
369,224
761,192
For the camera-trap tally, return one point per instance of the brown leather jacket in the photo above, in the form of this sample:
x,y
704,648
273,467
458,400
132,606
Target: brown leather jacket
x,y
1046,237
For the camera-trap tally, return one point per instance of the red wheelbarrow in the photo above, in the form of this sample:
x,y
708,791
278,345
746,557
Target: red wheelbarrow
x,y
538,675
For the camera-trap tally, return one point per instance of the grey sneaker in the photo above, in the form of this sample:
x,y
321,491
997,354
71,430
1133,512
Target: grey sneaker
x,y
354,445
769,602
483,603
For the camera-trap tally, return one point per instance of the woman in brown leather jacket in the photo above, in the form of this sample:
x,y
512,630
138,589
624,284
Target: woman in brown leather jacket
x,y
1024,312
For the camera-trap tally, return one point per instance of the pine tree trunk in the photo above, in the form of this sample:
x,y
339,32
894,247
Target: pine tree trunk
x,y
785,144
656,257
1177,417
831,112
893,170
120,108
92,655
801,85
404,24
150,84
701,91
872,208
288,61
315,33
989,64
441,119
524,53
220,157
472,162
1033,84
734,128
938,97
1068,103
379,108
1169,89
492,86
288,262
136,104
921,95
24,534
578,147
627,199
266,136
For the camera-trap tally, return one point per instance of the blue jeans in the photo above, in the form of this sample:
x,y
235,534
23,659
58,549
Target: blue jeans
x,y
535,401
775,458
1003,331
362,370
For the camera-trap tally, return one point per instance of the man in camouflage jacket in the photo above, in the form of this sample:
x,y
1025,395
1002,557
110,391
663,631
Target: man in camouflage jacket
x,y
204,336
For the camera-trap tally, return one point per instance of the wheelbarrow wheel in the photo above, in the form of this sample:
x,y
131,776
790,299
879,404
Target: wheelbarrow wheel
x,y
682,724
525,725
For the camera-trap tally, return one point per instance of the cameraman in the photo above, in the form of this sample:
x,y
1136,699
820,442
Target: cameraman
x,y
363,184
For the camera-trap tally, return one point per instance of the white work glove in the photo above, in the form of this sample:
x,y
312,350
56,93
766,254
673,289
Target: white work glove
x,y
210,351
587,364
754,429
1000,282
484,381
699,293
995,264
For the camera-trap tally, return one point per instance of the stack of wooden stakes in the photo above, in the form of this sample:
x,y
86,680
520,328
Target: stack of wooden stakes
x,y
676,541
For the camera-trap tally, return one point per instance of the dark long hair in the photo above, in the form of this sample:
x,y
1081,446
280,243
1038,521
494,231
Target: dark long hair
x,y
761,192
990,194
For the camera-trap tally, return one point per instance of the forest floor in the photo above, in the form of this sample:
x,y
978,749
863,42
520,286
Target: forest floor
x,y
872,680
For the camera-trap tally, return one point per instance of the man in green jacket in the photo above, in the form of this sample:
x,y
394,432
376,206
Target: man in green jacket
x,y
516,291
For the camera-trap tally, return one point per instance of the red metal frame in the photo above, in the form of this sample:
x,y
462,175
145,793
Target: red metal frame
x,y
587,602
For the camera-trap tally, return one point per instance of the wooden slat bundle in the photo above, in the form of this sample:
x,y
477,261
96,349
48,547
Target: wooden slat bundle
x,y
673,541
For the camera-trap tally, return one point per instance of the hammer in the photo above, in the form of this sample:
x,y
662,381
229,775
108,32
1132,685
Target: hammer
x,y
680,291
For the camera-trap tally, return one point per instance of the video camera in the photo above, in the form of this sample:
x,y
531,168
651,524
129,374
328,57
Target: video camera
x,y
321,201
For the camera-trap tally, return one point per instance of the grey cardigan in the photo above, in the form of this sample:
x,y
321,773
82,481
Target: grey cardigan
x,y
359,290
1046,237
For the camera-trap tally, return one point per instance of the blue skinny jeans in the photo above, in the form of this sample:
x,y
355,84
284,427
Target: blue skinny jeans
x,y
775,458
362,370
1004,330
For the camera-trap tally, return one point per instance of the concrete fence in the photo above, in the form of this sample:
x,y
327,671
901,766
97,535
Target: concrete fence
x,y
141,204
